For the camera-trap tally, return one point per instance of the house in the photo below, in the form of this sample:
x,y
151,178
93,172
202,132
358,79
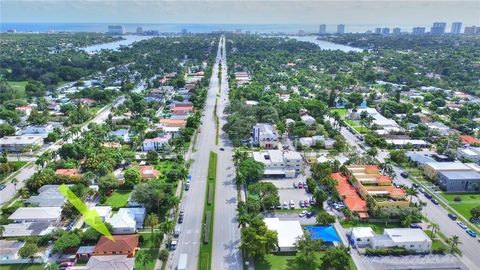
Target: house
x,y
111,262
20,143
39,130
172,125
121,245
251,103
265,136
279,163
118,119
440,127
103,212
459,181
36,214
308,120
147,172
27,229
157,142
84,253
469,140
401,143
182,109
127,220
411,239
68,172
120,134
431,169
349,196
25,110
48,196
9,251
288,233
386,125
469,154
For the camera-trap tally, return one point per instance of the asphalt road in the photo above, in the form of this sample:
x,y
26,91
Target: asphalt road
x,y
435,213
27,171
226,234
193,200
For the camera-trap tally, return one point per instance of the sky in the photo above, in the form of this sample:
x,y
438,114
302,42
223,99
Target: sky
x,y
386,12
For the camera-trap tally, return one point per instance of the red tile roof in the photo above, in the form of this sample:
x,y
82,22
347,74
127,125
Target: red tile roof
x,y
350,197
67,172
122,244
467,139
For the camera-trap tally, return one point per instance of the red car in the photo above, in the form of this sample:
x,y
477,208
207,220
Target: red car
x,y
300,185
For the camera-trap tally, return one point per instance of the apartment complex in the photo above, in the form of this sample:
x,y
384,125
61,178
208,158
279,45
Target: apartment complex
x,y
279,163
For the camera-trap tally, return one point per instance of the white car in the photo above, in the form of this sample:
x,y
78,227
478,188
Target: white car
x,y
463,226
302,214
285,205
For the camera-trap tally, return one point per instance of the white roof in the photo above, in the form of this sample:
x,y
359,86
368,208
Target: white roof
x,y
122,220
27,229
402,235
24,139
36,213
448,166
362,232
406,141
288,231
103,211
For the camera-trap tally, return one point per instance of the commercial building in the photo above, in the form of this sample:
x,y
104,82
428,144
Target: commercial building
x,y
431,169
438,28
396,31
411,239
116,30
20,143
322,29
469,154
288,233
265,136
36,214
279,163
385,31
456,28
459,181
378,30
418,30
341,29
470,30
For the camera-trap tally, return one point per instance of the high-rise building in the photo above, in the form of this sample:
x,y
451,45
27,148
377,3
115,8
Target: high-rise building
x,y
456,28
341,29
396,31
322,29
385,31
116,30
139,30
418,30
438,28
470,30
378,30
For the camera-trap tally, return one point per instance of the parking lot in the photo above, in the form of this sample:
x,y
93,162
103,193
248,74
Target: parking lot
x,y
287,192
430,261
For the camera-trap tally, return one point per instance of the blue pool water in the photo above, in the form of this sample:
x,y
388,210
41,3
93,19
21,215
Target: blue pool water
x,y
327,233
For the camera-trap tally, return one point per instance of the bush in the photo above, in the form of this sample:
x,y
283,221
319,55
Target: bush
x,y
439,250
457,199
210,193
206,231
163,256
324,218
388,251
28,250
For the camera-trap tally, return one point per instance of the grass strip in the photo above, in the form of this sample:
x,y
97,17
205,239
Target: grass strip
x,y
208,219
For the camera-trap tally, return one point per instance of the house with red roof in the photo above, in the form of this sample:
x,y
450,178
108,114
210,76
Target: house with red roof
x,y
121,245
470,140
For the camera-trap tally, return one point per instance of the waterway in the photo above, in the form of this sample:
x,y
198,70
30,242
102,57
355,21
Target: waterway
x,y
327,45
126,41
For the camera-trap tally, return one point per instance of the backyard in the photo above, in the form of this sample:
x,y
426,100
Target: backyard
x,y
281,262
376,227
118,199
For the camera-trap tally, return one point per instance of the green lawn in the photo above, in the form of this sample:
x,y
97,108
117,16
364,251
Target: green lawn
x,y
21,267
280,262
118,198
15,165
376,227
19,88
150,241
356,125
341,112
468,202
152,255
164,166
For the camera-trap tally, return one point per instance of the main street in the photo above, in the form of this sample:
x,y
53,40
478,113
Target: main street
x,y
193,200
226,232
30,168
435,213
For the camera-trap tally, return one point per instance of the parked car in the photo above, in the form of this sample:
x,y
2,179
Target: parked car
x,y
301,204
307,204
415,226
404,174
187,186
300,185
180,219
222,149
463,226
173,245
279,206
302,214
181,214
421,190
415,185
434,201
471,233
452,216
285,205
428,195
2,186
309,214
294,185
292,205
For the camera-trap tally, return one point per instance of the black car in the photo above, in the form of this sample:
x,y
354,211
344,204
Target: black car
x,y
404,174
415,185
180,219
2,186
434,201
222,149
452,216
428,195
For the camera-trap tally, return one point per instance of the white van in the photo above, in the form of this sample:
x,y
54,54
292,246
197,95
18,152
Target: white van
x,y
182,262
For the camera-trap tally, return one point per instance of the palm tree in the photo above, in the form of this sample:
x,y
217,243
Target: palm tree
x,y
454,242
372,153
14,181
2,230
142,258
151,221
412,192
434,228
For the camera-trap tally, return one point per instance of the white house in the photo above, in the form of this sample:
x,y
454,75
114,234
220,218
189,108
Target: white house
x,y
288,233
387,125
265,136
9,250
308,120
410,239
103,211
279,163
127,220
36,214
19,143
121,134
40,130
157,142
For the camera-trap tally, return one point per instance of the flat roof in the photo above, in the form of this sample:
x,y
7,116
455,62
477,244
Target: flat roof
x,y
402,235
288,231
36,213
448,166
460,175
361,232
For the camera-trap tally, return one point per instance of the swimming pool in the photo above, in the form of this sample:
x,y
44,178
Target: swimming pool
x,y
327,233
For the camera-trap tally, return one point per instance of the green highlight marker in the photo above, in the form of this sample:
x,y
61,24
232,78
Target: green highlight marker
x,y
92,218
